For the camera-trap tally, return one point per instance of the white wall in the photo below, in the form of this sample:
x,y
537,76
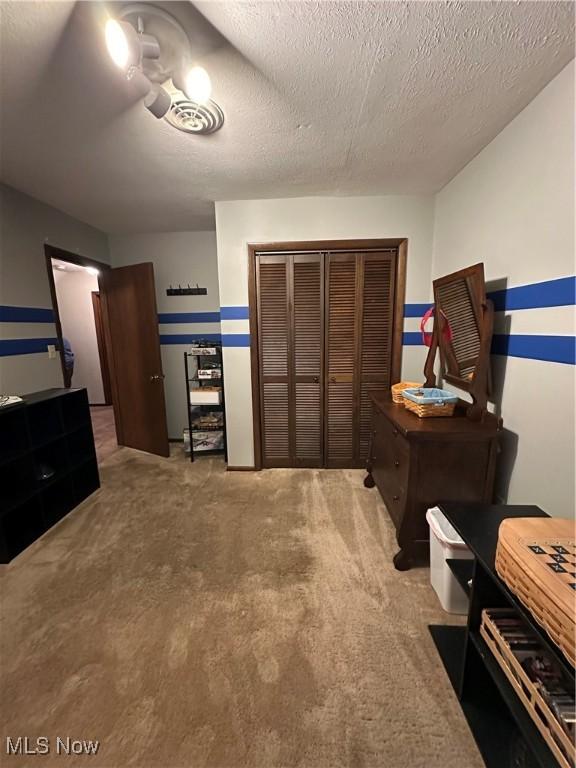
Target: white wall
x,y
25,225
178,258
74,293
512,208
320,218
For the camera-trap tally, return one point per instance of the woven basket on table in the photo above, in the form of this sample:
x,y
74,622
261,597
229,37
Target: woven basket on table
x,y
396,390
547,595
427,411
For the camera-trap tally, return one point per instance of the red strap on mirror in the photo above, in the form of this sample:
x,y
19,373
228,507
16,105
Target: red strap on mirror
x,y
426,335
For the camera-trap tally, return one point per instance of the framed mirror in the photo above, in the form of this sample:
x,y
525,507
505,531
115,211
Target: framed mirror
x,y
463,322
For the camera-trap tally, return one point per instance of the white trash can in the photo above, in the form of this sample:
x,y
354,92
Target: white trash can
x,y
445,544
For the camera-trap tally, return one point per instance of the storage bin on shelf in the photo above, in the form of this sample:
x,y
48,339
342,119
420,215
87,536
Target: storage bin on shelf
x,y
206,396
536,558
535,677
429,401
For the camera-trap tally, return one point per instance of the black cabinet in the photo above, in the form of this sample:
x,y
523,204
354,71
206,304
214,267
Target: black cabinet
x,y
504,731
47,464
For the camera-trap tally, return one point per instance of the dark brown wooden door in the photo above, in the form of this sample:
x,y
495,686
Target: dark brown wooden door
x,y
102,352
325,331
307,358
291,351
342,319
274,339
131,329
378,283
359,333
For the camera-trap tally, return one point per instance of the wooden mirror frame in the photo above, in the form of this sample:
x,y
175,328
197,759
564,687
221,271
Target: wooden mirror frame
x,y
479,385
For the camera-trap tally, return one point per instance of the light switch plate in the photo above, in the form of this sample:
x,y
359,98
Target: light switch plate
x,y
51,351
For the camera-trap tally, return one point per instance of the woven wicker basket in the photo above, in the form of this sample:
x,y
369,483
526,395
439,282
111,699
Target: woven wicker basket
x,y
396,390
427,411
547,595
528,693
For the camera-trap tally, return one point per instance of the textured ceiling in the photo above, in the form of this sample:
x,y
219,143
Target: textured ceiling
x,y
330,98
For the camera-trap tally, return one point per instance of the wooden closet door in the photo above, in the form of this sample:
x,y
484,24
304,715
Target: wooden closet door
x,y
359,319
307,283
377,283
341,351
272,281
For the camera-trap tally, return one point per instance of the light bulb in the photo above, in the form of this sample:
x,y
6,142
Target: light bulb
x,y
198,86
117,43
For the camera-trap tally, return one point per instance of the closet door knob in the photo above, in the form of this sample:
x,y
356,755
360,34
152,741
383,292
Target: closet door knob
x,y
396,464
395,498
315,379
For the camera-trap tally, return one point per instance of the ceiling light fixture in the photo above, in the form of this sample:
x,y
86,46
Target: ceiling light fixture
x,y
198,86
92,271
127,47
153,51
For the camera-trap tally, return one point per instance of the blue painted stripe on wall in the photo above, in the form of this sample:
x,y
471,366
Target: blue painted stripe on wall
x,y
550,293
187,338
551,349
189,317
412,338
234,313
10,347
26,315
235,339
415,310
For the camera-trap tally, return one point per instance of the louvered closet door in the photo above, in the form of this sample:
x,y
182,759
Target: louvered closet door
x,y
378,272
272,281
360,304
341,351
307,283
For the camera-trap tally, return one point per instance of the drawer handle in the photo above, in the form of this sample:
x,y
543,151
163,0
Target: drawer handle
x,y
395,498
396,464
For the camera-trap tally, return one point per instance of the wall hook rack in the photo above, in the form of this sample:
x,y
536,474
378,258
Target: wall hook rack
x,y
188,291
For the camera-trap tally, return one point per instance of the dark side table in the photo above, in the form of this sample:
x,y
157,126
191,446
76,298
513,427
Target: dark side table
x,y
504,731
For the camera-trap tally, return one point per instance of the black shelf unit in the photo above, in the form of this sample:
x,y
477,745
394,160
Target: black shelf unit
x,y
47,464
463,570
504,731
193,361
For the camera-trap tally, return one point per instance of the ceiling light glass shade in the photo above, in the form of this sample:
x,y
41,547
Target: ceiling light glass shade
x,y
158,101
127,47
198,86
92,270
122,43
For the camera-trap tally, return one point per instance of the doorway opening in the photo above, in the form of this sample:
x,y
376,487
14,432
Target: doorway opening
x,y
121,316
82,346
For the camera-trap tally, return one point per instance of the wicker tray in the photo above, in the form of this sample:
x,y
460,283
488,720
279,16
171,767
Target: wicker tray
x,y
536,559
528,693
396,390
429,402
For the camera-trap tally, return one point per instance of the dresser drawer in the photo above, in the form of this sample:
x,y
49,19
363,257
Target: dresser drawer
x,y
390,467
389,445
393,494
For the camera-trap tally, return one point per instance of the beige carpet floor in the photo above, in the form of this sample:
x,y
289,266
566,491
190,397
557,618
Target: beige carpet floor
x,y
185,616
104,429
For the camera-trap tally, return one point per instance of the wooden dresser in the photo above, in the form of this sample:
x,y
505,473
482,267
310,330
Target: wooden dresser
x,y
416,463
